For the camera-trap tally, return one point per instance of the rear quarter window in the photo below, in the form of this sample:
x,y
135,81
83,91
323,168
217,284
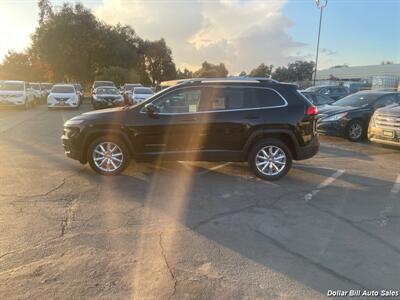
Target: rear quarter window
x,y
266,98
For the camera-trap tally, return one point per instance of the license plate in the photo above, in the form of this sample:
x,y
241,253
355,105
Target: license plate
x,y
388,133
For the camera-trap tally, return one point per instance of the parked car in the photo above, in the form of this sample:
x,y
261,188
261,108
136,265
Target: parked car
x,y
350,116
63,95
140,94
105,96
127,91
46,88
16,93
39,95
79,92
261,121
96,84
335,92
384,127
318,99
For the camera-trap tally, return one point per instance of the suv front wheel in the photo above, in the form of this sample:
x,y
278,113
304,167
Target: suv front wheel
x,y
270,159
108,156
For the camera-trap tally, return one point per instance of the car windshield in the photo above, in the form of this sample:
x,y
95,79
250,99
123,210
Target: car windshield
x,y
107,91
143,91
46,86
62,89
130,87
313,89
11,86
103,83
35,86
357,100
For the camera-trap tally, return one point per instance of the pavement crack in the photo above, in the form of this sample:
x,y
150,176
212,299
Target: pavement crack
x,y
173,277
304,258
69,216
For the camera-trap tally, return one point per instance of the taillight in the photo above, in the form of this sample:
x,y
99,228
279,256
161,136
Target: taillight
x,y
312,110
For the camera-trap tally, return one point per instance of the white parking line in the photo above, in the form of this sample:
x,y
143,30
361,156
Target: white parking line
x,y
396,187
214,168
324,184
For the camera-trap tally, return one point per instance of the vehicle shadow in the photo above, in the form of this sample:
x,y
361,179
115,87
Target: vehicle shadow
x,y
315,244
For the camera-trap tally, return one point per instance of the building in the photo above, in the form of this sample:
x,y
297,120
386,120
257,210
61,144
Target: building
x,y
361,73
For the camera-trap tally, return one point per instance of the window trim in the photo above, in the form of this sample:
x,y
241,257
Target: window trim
x,y
142,111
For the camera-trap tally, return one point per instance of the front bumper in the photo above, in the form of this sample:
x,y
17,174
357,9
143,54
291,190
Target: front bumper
x,y
309,150
107,104
11,103
62,105
335,128
384,136
72,144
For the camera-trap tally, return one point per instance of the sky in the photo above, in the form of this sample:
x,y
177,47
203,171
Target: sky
x,y
240,33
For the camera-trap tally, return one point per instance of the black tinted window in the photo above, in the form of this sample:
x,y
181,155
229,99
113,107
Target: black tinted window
x,y
221,98
225,98
266,98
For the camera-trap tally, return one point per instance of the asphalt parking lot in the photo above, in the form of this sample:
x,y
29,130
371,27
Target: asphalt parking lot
x,y
192,230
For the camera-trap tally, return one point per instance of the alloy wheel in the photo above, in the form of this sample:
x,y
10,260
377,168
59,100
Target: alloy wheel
x,y
108,157
355,131
270,160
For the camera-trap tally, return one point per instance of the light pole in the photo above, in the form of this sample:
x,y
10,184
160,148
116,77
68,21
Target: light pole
x,y
321,4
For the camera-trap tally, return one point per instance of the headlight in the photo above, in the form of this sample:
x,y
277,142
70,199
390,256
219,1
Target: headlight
x,y
334,117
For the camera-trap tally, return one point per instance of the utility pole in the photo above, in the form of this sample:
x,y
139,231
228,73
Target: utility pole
x,y
321,4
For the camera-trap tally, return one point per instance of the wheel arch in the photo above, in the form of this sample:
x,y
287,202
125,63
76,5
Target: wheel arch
x,y
92,135
284,135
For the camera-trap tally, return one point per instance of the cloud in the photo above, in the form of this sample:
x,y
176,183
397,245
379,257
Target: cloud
x,y
240,33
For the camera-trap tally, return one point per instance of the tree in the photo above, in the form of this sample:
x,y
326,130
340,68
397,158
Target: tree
x,y
388,62
184,74
78,47
158,61
261,71
209,70
340,66
297,71
45,11
23,66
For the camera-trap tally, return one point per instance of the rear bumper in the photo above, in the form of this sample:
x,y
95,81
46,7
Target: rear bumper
x,y
308,151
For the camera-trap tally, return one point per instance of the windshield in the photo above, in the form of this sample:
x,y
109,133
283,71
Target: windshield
x,y
357,100
103,83
145,91
46,86
11,86
107,91
62,89
313,89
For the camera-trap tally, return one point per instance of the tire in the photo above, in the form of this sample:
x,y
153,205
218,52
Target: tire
x,y
282,160
355,131
100,164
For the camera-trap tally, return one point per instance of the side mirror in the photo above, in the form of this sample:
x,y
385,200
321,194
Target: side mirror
x,y
151,109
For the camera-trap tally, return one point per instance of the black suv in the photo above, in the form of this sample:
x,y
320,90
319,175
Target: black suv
x,y
258,120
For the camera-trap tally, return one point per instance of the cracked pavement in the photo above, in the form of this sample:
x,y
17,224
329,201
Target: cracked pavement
x,y
191,230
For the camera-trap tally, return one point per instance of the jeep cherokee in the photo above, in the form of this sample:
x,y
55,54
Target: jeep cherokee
x,y
258,120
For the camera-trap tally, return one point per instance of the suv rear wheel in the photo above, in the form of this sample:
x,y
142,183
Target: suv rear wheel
x,y
108,156
270,159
